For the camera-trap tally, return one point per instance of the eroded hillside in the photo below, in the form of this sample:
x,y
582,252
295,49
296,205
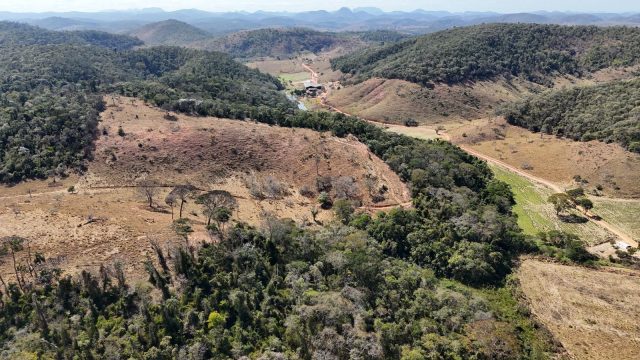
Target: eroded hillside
x,y
272,172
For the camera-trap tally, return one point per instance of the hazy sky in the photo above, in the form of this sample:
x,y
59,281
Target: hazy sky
x,y
302,5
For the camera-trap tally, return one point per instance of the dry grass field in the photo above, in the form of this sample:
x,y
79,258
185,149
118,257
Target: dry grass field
x,y
593,313
106,218
554,159
394,101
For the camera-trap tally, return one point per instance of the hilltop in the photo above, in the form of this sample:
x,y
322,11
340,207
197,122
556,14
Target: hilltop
x,y
169,32
483,52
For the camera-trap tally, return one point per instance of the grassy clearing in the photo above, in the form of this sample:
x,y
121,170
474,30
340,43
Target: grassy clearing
x,y
294,77
536,215
620,213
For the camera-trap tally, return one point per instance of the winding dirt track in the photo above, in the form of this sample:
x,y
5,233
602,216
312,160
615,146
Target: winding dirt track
x,y
621,234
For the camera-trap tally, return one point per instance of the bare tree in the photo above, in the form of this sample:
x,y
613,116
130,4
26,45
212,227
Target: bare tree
x,y
182,193
148,189
346,188
13,244
171,200
215,200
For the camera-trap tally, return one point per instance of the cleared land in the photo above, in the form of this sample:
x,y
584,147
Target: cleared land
x,y
593,313
607,166
536,214
106,218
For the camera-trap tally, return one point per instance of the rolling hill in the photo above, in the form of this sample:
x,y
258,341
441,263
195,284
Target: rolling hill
x,y
169,32
608,112
277,42
489,51
52,93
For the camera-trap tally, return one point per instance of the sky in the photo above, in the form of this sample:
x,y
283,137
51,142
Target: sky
x,y
504,6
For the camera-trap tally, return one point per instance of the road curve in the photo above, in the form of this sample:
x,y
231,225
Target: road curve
x,y
614,230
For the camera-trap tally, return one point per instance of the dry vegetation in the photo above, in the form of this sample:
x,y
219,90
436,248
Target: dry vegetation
x,y
270,171
554,159
284,68
593,313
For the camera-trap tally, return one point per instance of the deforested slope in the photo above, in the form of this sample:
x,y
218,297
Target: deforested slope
x,y
52,93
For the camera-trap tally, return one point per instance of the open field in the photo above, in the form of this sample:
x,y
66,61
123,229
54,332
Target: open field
x,y
536,214
321,63
625,214
106,218
593,313
554,159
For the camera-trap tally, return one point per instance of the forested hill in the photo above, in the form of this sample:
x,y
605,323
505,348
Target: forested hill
x,y
169,32
15,34
488,51
50,95
608,112
287,42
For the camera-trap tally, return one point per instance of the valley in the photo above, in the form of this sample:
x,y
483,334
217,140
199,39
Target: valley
x,y
464,193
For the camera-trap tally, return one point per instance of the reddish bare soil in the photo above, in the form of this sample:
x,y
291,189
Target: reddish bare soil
x,y
106,218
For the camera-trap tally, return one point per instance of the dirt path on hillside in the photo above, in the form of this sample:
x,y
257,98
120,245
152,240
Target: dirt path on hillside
x,y
621,234
314,75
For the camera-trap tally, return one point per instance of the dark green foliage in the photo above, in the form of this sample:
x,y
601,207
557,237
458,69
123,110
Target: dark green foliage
x,y
565,246
16,34
486,51
285,294
608,112
292,41
51,95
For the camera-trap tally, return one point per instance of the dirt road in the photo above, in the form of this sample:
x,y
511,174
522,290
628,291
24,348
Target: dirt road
x,y
556,188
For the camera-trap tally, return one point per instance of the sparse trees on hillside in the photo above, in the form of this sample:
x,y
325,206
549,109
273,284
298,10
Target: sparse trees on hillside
x,y
148,189
181,194
215,203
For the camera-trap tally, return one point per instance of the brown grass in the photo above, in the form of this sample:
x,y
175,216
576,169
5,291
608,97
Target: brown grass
x,y
209,153
593,313
555,159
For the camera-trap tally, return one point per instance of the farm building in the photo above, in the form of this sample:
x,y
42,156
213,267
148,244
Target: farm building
x,y
312,88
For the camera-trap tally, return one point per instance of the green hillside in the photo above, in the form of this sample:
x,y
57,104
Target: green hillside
x,y
288,42
51,95
169,32
487,51
274,42
16,34
609,112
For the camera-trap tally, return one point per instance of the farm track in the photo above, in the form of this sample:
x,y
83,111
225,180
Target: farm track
x,y
605,225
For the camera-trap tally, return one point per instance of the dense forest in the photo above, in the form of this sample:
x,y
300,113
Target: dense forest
x,y
16,34
170,33
609,112
289,42
487,51
429,282
51,94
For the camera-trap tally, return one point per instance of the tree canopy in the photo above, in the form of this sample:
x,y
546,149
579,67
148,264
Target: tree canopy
x,y
488,51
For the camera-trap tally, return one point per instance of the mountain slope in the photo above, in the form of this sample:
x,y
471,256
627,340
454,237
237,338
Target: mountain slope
x,y
277,42
487,51
51,94
15,34
169,32
608,112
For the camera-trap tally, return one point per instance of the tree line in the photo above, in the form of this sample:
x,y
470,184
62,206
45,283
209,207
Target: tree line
x,y
607,112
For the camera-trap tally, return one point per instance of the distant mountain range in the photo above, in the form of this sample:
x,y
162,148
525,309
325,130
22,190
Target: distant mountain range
x,y
345,19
